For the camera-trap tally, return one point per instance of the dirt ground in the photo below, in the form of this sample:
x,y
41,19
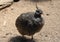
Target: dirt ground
x,y
50,31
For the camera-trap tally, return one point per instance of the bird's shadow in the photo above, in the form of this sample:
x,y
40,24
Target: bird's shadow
x,y
20,39
37,0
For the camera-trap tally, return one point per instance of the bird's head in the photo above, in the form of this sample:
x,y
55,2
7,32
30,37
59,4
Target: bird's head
x,y
38,12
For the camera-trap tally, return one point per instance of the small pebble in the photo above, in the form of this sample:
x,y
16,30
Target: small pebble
x,y
47,14
8,33
11,8
4,23
4,37
46,35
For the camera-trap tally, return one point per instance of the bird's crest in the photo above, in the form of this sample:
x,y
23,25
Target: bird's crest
x,y
37,7
38,11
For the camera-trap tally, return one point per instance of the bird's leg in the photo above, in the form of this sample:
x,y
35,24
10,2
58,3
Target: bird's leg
x,y
32,37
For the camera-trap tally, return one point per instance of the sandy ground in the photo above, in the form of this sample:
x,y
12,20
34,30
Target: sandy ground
x,y
50,31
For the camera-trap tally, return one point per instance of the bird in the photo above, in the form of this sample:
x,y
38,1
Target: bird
x,y
30,23
16,0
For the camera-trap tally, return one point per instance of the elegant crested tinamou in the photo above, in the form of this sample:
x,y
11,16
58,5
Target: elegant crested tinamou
x,y
30,23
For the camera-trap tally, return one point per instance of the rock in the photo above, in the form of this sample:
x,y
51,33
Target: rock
x,y
4,3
